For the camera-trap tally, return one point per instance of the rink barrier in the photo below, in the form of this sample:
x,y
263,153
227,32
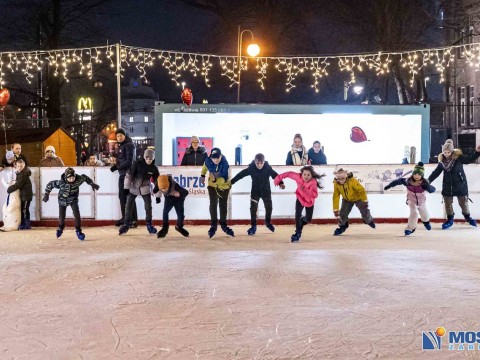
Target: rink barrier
x,y
101,208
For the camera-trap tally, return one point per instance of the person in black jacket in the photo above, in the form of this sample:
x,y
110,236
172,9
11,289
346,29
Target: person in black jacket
x,y
450,162
125,156
316,155
174,198
260,171
24,184
138,181
69,189
9,161
195,154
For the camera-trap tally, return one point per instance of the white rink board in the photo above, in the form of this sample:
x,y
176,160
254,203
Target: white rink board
x,y
104,204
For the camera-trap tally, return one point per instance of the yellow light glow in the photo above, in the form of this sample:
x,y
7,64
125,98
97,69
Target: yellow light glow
x,y
253,50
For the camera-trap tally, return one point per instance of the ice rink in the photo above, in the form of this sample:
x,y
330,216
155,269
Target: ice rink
x,y
367,294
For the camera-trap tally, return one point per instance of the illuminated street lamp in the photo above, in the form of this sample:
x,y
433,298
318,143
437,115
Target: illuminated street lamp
x,y
252,50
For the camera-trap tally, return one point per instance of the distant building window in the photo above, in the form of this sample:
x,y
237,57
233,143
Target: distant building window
x,y
145,118
146,129
130,118
471,107
461,106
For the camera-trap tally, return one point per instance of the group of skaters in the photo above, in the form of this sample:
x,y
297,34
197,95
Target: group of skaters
x,y
142,178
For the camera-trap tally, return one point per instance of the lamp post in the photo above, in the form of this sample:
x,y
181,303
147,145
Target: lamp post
x,y
252,50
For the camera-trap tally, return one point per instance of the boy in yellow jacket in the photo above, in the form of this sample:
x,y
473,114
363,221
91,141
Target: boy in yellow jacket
x,y
353,193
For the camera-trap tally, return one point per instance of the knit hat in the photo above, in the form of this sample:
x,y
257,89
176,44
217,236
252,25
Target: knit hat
x,y
51,148
419,169
10,156
150,154
163,182
194,138
69,172
216,153
448,146
120,131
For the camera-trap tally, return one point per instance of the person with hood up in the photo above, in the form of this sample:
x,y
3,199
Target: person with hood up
x,y
125,156
69,189
174,198
454,183
51,159
195,154
137,181
261,172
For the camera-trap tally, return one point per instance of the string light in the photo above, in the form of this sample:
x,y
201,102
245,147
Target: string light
x,y
65,63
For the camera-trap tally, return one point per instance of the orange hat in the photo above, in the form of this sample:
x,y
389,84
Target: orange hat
x,y
163,182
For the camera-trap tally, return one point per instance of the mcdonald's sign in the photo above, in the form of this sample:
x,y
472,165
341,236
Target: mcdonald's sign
x,y
85,105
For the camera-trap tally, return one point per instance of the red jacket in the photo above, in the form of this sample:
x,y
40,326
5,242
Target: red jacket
x,y
306,192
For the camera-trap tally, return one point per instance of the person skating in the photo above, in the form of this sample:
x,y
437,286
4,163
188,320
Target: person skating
x,y
69,188
138,181
218,189
454,183
353,194
416,186
308,183
260,171
174,196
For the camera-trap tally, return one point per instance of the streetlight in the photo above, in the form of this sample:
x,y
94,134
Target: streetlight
x,y
252,50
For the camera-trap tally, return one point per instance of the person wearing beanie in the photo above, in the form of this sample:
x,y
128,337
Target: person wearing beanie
x,y
416,186
195,154
125,156
260,172
218,189
174,196
12,155
137,181
352,193
51,159
69,189
24,184
454,183
298,154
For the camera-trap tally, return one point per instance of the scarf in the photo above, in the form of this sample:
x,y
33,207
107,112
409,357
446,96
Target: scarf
x,y
448,163
296,157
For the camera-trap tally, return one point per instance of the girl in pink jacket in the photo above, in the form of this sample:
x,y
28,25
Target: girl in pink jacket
x,y
308,182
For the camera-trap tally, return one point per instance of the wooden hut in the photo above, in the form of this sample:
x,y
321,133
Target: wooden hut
x,y
34,142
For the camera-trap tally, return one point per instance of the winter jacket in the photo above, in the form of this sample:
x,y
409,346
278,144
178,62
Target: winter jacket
x,y
306,192
174,186
51,162
68,192
194,157
316,158
351,191
302,154
260,178
125,156
5,163
24,184
140,176
220,173
415,193
454,179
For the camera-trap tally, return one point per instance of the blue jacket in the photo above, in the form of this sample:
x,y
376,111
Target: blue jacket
x,y
220,170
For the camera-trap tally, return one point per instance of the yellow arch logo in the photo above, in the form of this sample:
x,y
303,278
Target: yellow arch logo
x,y
85,104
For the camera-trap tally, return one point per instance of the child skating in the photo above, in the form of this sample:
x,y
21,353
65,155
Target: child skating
x,y
308,182
174,196
24,184
260,171
352,193
69,188
454,183
416,185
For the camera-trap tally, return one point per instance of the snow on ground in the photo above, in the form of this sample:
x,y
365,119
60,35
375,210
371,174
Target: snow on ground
x,y
366,294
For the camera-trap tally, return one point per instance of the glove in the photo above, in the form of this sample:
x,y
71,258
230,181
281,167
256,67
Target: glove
x,y
335,212
156,189
202,180
95,186
387,187
113,168
46,197
158,200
